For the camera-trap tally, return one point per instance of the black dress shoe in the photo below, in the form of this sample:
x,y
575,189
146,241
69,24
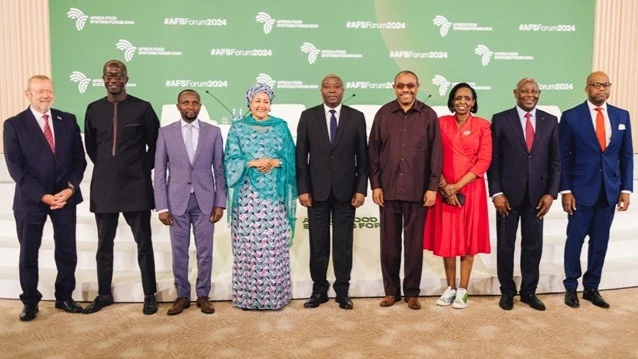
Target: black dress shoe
x,y
29,313
506,302
533,301
595,298
344,302
69,306
315,300
571,299
98,303
150,304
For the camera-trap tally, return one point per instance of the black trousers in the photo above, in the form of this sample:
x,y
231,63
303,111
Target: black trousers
x,y
395,217
140,223
319,218
29,226
531,247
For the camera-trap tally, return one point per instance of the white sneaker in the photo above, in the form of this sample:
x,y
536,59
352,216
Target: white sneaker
x,y
447,298
461,299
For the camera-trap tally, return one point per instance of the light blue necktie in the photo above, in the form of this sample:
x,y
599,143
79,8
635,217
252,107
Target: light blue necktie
x,y
189,142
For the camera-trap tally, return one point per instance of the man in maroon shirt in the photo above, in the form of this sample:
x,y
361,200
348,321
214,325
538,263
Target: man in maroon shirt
x,y
405,166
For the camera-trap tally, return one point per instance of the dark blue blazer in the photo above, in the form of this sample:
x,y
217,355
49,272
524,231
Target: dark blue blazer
x,y
585,166
513,167
33,166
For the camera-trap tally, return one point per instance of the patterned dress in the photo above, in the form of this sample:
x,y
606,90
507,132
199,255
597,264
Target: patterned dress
x,y
262,215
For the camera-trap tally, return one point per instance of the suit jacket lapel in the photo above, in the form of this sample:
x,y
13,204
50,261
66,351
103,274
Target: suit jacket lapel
x,y
343,122
176,129
34,127
515,122
614,123
323,126
200,140
541,126
588,128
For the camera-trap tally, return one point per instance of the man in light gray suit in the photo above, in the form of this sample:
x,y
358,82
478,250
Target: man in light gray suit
x,y
190,189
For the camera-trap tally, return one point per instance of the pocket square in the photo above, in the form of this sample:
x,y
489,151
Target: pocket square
x,y
621,127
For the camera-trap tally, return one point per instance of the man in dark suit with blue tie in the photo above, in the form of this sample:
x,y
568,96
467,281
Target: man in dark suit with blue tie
x,y
523,178
332,175
597,175
45,157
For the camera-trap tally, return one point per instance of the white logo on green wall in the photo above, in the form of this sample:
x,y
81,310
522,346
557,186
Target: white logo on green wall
x,y
265,79
81,19
265,19
78,16
442,83
485,53
81,79
311,50
128,48
443,23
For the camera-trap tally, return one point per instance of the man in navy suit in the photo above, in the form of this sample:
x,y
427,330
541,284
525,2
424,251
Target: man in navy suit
x,y
597,175
332,180
523,178
45,157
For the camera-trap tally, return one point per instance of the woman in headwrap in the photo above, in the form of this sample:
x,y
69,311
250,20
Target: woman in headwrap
x,y
262,194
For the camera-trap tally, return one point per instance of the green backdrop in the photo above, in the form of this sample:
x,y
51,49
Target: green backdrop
x,y
224,46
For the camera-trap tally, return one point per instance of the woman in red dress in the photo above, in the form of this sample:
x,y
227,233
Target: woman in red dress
x,y
457,225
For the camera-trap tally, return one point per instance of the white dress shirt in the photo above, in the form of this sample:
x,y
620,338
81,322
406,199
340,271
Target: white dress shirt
x,y
38,117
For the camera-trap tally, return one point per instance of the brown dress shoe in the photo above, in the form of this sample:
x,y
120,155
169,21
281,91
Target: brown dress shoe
x,y
178,306
388,301
206,305
413,303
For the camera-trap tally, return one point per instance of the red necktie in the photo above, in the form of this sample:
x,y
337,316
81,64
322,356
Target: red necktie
x,y
600,129
48,134
529,132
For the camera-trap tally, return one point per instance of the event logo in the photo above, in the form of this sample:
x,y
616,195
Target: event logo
x,y
266,79
196,83
284,84
444,84
564,86
84,82
487,55
445,25
367,85
185,21
313,52
409,54
242,53
546,28
81,79
269,23
375,25
130,50
81,19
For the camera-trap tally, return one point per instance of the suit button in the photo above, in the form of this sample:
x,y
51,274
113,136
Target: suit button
x,y
190,183
332,156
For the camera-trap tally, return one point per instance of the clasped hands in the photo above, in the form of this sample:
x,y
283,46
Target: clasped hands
x,y
449,191
58,200
265,165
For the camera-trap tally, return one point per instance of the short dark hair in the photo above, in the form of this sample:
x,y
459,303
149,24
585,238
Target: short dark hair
x,y
406,72
450,100
115,63
187,90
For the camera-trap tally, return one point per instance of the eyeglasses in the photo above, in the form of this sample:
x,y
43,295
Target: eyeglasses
x,y
109,77
401,86
599,84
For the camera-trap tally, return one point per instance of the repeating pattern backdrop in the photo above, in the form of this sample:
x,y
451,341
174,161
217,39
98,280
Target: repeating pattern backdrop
x,y
225,46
